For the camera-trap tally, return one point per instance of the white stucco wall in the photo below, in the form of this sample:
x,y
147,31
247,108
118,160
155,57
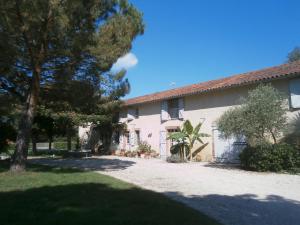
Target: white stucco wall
x,y
206,107
83,132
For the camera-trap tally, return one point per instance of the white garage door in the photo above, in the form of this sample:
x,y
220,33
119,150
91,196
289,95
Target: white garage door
x,y
227,150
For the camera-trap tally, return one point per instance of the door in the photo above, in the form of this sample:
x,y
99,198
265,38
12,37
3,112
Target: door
x,y
227,150
163,144
171,142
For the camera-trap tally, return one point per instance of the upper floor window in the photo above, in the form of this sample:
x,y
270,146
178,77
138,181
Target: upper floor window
x,y
137,113
295,93
132,113
173,108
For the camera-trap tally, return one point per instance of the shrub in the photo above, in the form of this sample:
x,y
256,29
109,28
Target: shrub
x,y
144,147
7,134
267,157
260,118
128,154
175,159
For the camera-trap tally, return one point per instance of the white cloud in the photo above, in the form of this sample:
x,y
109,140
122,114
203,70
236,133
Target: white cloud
x,y
172,83
125,62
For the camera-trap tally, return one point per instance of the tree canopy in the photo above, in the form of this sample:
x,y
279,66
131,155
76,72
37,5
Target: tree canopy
x,y
294,55
261,116
62,51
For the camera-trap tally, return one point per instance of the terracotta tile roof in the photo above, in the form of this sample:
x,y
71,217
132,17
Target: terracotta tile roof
x,y
266,74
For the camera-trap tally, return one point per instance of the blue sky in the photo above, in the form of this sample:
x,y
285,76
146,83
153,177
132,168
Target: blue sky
x,y
191,41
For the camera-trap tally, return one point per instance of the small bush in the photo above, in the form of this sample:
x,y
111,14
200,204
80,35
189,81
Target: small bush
x,y
144,147
63,145
175,159
267,157
7,134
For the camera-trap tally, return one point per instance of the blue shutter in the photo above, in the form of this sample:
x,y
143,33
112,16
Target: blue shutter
x,y
130,114
164,111
180,108
132,138
295,93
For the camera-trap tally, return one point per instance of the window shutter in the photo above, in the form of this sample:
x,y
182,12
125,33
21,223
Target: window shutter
x,y
164,111
132,138
180,108
121,138
295,93
130,114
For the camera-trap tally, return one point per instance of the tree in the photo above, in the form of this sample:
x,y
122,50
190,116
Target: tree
x,y
9,110
261,117
73,103
294,55
42,41
186,138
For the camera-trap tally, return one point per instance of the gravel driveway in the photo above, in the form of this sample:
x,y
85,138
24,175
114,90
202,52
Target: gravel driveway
x,y
232,196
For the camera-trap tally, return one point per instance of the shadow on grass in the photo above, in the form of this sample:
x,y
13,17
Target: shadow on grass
x,y
94,203
247,209
87,164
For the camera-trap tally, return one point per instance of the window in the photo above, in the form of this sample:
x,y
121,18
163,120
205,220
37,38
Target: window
x,y
295,93
138,138
173,108
132,113
127,137
137,113
116,137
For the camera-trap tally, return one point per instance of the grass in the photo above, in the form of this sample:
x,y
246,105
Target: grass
x,y
45,196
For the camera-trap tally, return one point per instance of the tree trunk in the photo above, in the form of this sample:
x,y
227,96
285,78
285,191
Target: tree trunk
x,y
273,136
77,144
69,139
33,138
107,143
18,162
50,144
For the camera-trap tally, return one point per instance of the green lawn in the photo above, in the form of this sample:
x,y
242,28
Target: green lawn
x,y
44,195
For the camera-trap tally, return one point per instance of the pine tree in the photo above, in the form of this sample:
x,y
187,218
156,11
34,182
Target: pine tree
x,y
45,41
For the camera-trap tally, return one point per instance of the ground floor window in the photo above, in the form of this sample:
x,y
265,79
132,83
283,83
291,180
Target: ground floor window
x,y
127,137
138,137
116,137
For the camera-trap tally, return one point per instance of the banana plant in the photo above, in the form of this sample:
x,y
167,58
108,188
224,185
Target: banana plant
x,y
186,138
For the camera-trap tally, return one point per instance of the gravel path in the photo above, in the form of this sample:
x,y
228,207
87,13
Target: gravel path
x,y
232,196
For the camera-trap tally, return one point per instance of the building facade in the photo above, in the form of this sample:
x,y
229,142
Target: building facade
x,y
152,117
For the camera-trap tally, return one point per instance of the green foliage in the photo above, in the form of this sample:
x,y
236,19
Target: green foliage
x,y
294,55
261,117
7,134
186,138
144,146
63,145
9,112
56,56
267,157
